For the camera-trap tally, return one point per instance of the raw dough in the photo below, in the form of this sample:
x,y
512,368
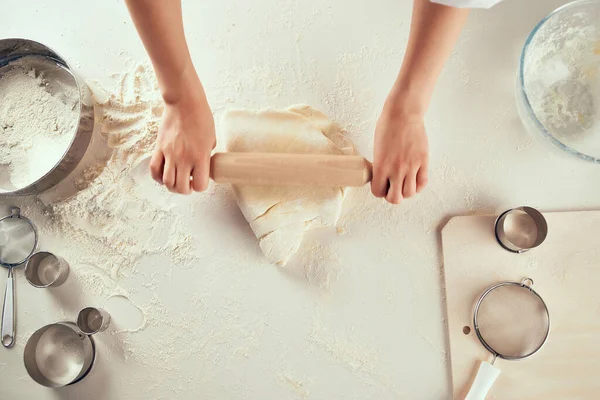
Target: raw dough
x,y
280,216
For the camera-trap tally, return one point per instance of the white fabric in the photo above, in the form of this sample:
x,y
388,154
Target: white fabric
x,y
468,3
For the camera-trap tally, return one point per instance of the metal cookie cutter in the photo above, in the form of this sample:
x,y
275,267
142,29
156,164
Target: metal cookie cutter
x,y
521,229
64,353
92,320
45,269
59,354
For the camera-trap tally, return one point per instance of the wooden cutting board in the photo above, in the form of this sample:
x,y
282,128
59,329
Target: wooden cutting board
x,y
566,271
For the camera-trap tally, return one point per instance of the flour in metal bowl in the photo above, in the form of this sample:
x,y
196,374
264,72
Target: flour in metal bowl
x,y
39,113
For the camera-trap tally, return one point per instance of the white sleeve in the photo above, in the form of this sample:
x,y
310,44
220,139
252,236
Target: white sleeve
x,y
468,3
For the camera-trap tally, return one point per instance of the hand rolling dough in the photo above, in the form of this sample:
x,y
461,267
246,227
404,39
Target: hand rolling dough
x,y
279,216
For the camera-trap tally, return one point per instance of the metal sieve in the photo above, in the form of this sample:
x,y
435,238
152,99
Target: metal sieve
x,y
512,322
18,240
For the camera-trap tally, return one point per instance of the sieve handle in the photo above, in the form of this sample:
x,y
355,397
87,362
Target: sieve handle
x,y
8,313
486,376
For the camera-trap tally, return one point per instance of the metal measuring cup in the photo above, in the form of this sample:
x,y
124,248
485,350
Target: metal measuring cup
x,y
44,269
59,354
18,240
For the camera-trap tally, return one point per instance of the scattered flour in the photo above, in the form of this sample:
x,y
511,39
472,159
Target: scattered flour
x,y
114,219
125,316
297,387
37,120
340,347
320,265
111,220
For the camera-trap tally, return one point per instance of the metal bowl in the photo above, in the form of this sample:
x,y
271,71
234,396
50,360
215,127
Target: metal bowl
x,y
14,49
558,84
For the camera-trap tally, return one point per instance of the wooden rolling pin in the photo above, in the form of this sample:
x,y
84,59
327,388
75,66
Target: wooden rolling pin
x,y
283,169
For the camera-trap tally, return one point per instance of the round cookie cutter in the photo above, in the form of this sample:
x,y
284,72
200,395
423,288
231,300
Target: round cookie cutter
x,y
64,353
45,269
16,48
59,354
521,229
92,320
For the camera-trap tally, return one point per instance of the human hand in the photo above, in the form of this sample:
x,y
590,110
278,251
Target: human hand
x,y
185,140
401,155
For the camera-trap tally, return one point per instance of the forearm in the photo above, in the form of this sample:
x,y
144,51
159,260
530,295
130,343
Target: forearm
x,y
160,26
433,33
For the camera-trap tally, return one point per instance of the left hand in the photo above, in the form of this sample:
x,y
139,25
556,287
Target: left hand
x,y
400,163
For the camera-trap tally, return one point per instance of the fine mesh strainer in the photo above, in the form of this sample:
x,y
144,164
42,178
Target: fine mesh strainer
x,y
18,240
512,321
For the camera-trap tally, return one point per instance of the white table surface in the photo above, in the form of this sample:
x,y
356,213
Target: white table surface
x,y
378,331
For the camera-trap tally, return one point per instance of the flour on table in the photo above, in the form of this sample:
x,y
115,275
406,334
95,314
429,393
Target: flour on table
x,y
118,214
280,216
38,117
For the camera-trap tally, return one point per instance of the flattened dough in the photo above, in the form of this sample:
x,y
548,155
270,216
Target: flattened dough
x,y
280,216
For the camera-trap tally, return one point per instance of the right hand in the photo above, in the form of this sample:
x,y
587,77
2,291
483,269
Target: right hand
x,y
184,143
401,154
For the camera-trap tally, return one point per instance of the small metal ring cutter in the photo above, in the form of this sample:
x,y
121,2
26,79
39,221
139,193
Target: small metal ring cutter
x,y
521,229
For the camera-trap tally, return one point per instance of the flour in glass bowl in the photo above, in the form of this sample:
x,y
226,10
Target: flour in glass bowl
x,y
562,80
38,118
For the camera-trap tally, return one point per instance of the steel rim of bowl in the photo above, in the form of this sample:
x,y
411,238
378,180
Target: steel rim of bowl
x,y
529,109
24,191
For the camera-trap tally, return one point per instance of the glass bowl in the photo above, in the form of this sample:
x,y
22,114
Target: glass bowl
x,y
558,85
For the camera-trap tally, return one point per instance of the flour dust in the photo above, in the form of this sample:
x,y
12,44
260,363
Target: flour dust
x,y
111,220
